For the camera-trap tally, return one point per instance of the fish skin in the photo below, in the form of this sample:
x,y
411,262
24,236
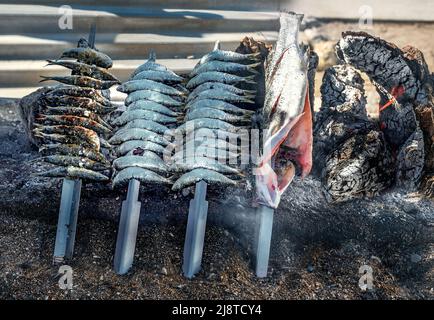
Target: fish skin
x,y
219,94
79,112
226,67
89,56
82,81
229,56
141,174
212,153
217,114
137,134
159,76
131,145
152,96
72,121
189,164
150,64
79,102
196,175
146,124
219,105
75,173
209,124
79,162
70,132
289,22
148,160
85,69
147,84
287,114
152,106
73,150
222,86
131,115
76,91
215,76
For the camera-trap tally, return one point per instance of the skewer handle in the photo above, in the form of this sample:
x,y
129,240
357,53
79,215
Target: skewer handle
x,y
195,234
127,233
67,223
263,239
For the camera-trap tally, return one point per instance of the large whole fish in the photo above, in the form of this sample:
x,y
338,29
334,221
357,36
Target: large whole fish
x,y
286,113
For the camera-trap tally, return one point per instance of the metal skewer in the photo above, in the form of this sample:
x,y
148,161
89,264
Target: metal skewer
x,y
69,204
67,223
263,239
195,234
127,233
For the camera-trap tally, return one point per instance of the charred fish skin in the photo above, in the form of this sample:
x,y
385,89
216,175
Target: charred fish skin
x,y
152,96
199,174
146,84
89,56
143,175
73,150
75,173
79,162
215,76
69,133
79,102
84,69
79,112
76,91
73,121
82,81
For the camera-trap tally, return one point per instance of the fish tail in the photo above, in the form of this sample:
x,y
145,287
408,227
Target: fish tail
x,y
254,55
250,79
251,67
44,78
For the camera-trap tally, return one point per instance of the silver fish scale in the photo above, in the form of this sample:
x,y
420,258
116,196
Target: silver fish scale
x,y
215,103
154,94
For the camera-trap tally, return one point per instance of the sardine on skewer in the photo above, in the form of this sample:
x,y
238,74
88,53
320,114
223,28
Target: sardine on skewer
x,y
89,56
85,69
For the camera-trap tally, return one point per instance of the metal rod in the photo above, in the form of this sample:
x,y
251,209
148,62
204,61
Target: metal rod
x,y
127,233
263,239
67,223
92,34
195,234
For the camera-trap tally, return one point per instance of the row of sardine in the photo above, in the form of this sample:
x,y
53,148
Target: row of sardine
x,y
219,104
69,122
154,103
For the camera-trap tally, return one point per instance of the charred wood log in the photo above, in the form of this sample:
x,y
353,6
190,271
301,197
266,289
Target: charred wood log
x,y
362,166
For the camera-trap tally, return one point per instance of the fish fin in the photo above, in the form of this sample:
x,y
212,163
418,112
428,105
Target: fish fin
x,y
300,139
152,55
44,78
250,79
